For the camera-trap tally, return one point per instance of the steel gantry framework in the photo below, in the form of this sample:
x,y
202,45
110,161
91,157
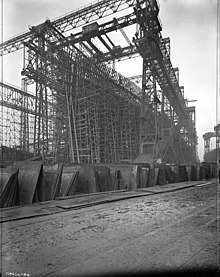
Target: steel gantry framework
x,y
83,110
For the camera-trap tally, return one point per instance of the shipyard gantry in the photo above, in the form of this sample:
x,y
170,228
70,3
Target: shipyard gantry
x,y
83,110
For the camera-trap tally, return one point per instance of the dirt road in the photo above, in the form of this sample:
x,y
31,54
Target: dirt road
x,y
156,233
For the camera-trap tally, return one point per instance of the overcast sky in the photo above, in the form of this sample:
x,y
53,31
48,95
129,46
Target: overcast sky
x,y
190,24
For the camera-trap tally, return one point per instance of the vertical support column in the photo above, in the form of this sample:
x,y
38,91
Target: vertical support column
x,y
24,136
156,149
144,77
72,160
73,112
41,139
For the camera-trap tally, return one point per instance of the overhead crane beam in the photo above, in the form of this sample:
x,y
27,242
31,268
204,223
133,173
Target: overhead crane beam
x,y
121,30
71,21
94,47
103,29
104,42
113,45
88,49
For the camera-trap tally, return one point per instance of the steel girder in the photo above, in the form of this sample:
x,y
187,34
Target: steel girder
x,y
17,99
24,103
17,116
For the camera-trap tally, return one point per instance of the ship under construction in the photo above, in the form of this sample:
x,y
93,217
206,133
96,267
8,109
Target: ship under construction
x,y
82,110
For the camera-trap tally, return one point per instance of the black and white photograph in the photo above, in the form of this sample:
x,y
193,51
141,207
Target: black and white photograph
x,y
109,138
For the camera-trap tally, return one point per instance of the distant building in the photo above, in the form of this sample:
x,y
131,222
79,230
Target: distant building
x,y
212,156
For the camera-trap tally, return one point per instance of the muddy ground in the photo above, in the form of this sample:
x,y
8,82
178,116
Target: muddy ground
x,y
173,231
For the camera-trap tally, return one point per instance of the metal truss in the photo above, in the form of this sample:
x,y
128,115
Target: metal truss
x,y
71,21
17,114
86,112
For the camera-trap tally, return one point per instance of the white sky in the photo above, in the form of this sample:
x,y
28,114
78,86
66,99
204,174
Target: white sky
x,y
190,24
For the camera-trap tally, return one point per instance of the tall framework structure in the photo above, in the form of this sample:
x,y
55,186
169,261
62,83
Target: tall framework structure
x,y
83,110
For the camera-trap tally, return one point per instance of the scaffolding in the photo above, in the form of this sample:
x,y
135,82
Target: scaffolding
x,y
83,111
